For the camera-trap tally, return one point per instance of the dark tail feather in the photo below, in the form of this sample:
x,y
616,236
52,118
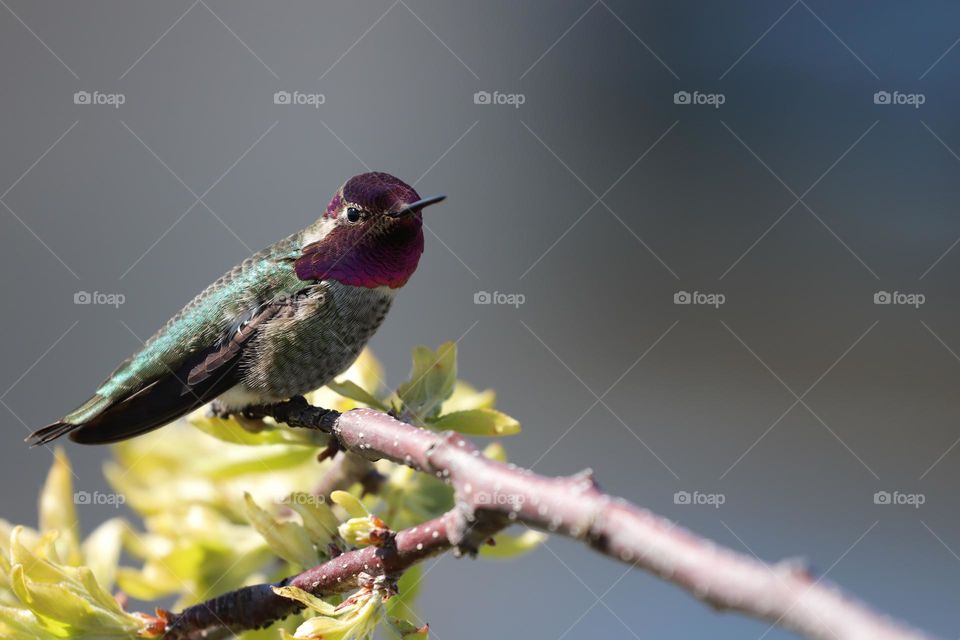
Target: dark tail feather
x,y
103,421
50,433
131,419
154,408
122,422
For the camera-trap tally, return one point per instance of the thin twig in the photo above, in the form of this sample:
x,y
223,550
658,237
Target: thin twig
x,y
345,470
258,606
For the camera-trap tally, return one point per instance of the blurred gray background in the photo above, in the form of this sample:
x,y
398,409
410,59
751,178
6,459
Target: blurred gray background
x,y
598,199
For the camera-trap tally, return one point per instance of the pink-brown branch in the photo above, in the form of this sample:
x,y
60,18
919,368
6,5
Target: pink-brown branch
x,y
490,494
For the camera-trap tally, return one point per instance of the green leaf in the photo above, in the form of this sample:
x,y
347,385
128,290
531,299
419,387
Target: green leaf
x,y
353,620
495,451
274,631
408,588
466,397
22,624
412,498
307,599
353,391
57,509
350,503
289,540
138,584
478,422
431,382
229,430
65,600
239,462
318,518
509,545
408,630
102,550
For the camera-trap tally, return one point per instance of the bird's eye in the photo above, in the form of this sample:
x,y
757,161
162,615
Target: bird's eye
x,y
354,215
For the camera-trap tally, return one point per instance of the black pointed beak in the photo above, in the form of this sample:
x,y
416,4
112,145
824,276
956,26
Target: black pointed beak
x,y
416,206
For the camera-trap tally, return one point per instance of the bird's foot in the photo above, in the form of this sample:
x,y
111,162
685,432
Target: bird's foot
x,y
250,424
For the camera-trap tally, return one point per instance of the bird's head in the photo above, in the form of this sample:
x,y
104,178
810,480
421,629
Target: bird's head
x,y
370,235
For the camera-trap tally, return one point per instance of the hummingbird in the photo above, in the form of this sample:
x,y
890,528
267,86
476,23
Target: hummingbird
x,y
285,321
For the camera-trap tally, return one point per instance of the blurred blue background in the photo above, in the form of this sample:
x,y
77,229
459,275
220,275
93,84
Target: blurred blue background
x,y
599,199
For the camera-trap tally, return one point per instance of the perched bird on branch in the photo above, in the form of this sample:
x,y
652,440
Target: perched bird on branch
x,y
283,322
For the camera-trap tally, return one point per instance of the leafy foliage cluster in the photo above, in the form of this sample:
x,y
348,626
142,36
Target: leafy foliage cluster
x,y
221,506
